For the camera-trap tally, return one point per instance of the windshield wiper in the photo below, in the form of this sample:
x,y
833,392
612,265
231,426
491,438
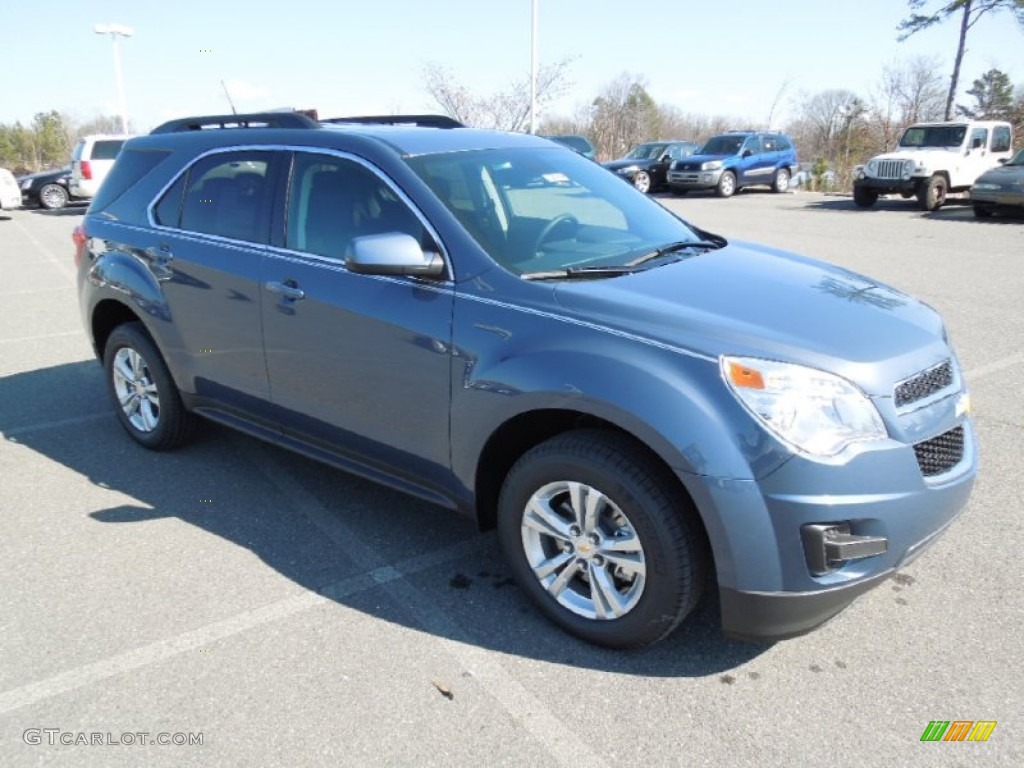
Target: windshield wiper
x,y
664,250
570,273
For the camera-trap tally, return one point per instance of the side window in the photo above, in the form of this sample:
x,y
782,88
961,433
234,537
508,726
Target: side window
x,y
334,200
979,138
753,143
1001,138
106,149
783,143
226,195
168,211
770,144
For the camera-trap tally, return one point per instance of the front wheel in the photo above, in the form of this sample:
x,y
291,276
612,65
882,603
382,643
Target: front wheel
x,y
599,537
864,198
145,399
726,185
781,181
642,181
932,194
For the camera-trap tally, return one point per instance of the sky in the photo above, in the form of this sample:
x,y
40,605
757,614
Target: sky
x,y
348,57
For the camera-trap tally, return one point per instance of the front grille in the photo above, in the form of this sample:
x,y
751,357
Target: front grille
x,y
923,384
687,166
940,454
890,169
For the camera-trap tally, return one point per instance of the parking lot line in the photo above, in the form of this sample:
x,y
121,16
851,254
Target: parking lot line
x,y
550,732
994,367
146,655
56,423
62,267
41,337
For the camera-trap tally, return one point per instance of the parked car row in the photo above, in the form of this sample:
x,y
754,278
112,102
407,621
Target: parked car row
x,y
932,160
91,161
725,163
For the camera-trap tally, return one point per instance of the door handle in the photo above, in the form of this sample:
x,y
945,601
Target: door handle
x,y
287,289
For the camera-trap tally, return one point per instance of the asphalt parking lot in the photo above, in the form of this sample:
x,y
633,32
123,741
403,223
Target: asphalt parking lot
x,y
290,614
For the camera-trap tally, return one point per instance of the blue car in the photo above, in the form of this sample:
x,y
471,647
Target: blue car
x,y
496,324
731,161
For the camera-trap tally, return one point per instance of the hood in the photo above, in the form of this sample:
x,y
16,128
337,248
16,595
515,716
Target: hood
x,y
748,300
904,153
615,165
1003,174
703,158
46,175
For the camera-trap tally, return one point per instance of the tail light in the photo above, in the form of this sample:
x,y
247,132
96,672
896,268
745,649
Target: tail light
x,y
79,238
86,170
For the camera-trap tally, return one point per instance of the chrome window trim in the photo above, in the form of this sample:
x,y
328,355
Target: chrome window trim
x,y
449,271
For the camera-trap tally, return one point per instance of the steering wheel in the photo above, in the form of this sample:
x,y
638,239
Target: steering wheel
x,y
566,219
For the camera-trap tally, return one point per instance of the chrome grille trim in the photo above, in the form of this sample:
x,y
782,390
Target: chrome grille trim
x,y
923,384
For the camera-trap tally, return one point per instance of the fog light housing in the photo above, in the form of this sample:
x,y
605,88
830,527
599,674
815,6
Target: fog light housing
x,y
829,546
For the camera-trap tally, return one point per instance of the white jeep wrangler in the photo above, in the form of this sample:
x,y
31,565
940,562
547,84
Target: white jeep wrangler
x,y
932,160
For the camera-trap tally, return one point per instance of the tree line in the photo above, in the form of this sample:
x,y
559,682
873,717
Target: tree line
x,y
47,141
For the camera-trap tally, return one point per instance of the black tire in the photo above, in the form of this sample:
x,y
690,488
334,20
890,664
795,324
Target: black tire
x,y
932,193
726,185
53,197
781,181
906,195
864,198
172,423
678,191
642,181
982,211
657,514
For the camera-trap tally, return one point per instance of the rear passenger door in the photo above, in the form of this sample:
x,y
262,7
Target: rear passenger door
x,y
753,168
214,225
359,363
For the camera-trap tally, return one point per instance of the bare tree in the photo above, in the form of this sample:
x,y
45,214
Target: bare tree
x,y
970,11
907,93
506,110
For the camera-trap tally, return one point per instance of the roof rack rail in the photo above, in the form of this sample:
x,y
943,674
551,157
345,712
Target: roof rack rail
x,y
253,120
425,121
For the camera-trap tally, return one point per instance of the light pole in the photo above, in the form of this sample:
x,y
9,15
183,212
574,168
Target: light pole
x,y
533,70
115,31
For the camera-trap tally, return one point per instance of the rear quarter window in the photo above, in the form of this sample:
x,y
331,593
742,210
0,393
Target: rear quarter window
x,y
131,165
106,149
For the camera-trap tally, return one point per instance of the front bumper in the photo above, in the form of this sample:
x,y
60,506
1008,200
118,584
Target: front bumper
x,y
695,179
767,586
997,199
888,186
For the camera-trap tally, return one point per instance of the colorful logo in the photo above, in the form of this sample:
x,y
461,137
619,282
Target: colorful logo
x,y
958,730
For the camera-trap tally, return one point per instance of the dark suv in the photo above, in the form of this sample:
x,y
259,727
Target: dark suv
x,y
494,323
730,161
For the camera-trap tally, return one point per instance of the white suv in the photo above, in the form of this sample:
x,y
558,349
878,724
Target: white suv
x,y
92,160
934,159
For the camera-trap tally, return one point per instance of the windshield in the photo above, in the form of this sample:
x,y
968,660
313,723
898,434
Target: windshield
x,y
1017,159
934,136
646,152
537,210
722,145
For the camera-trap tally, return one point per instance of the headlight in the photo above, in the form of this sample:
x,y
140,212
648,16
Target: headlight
x,y
986,185
629,169
908,167
872,167
817,412
26,185
711,165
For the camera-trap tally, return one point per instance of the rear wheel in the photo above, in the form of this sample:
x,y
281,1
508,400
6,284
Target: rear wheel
x,y
932,194
864,198
598,536
726,185
145,399
781,181
53,197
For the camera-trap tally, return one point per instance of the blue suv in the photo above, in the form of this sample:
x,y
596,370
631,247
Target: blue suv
x,y
730,161
492,322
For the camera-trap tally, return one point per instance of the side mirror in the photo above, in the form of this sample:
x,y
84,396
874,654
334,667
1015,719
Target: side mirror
x,y
1003,160
393,253
746,153
665,158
